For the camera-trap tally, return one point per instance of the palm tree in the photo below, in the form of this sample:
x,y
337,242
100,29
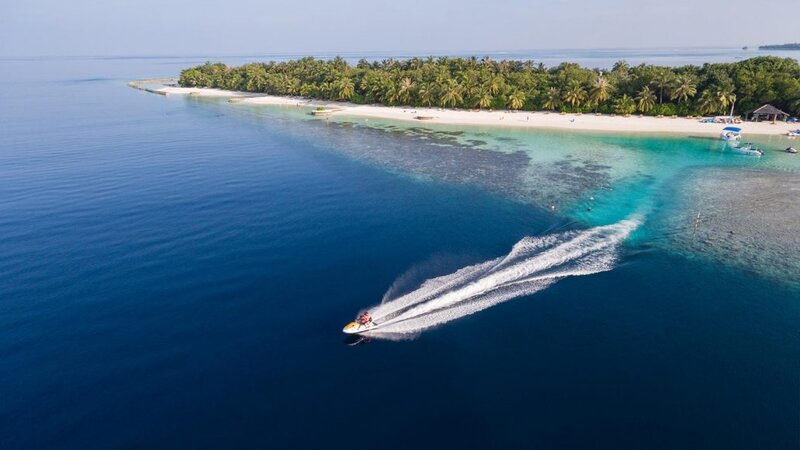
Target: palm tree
x,y
646,99
516,100
255,78
708,102
451,95
684,89
469,83
495,84
325,90
575,94
624,105
406,90
426,94
292,86
338,64
621,68
306,90
345,89
504,66
484,99
375,84
552,99
725,97
601,90
663,80
391,92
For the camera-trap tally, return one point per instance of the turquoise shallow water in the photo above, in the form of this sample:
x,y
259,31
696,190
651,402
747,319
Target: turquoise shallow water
x,y
613,174
175,272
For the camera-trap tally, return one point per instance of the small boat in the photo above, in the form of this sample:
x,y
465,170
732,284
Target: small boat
x,y
731,134
424,117
748,148
791,150
793,133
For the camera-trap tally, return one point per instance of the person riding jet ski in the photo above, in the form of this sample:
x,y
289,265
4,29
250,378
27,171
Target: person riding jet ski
x,y
362,323
365,319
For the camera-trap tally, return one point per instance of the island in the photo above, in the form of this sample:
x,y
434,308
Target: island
x,y
486,84
510,93
795,46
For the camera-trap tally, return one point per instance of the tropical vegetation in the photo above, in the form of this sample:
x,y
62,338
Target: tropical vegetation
x,y
520,85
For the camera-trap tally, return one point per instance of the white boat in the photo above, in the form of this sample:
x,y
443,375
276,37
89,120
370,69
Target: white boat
x,y
748,148
791,150
731,134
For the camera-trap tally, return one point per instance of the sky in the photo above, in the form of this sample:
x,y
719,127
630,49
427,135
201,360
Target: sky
x,y
262,27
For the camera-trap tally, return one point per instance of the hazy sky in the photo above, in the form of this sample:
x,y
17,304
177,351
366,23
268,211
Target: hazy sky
x,y
247,27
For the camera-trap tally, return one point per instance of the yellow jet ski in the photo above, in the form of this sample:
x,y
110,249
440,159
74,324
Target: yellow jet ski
x,y
362,324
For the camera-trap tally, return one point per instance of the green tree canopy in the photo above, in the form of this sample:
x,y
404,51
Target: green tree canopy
x,y
486,83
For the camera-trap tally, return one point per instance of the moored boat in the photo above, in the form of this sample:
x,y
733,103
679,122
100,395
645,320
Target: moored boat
x,y
731,134
748,148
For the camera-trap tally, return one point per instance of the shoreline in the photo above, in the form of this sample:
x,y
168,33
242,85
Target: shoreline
x,y
497,118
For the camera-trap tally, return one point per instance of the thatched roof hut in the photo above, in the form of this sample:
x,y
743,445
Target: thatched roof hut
x,y
768,112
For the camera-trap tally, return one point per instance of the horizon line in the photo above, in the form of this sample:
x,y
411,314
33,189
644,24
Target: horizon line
x,y
409,53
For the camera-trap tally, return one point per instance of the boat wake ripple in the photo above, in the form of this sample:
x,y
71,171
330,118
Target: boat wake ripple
x,y
533,264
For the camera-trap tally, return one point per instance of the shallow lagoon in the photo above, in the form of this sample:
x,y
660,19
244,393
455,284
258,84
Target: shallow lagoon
x,y
596,178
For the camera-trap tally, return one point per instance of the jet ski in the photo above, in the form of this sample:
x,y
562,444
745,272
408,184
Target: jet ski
x,y
362,324
357,328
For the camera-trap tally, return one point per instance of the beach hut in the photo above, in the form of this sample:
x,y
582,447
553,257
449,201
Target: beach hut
x,y
768,112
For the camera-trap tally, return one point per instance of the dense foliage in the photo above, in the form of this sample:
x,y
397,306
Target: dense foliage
x,y
489,84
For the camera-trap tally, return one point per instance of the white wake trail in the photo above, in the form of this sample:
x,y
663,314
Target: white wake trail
x,y
533,264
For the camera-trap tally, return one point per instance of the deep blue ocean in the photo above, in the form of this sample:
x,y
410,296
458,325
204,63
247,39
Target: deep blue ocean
x,y
175,273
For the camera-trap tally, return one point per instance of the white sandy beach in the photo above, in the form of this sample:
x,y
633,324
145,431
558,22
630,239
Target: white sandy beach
x,y
517,119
